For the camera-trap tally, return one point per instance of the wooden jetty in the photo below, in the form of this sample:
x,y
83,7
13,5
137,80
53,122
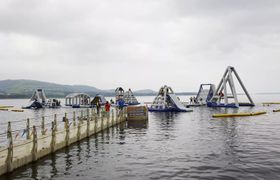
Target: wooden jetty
x,y
63,132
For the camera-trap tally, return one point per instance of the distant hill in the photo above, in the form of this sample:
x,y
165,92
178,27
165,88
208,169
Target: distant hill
x,y
24,88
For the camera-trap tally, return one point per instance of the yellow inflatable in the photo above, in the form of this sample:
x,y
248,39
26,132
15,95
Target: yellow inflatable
x,y
17,110
1,107
239,114
267,103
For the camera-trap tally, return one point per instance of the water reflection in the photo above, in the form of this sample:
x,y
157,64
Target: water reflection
x,y
137,124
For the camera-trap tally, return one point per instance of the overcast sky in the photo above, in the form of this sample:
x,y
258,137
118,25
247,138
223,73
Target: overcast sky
x,y
141,43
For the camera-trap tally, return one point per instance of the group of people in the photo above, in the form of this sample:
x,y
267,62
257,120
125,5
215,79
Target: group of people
x,y
120,104
107,106
194,100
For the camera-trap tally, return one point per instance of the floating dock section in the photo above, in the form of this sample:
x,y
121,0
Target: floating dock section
x,y
41,140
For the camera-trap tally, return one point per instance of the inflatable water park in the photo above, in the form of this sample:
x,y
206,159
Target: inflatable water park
x,y
167,101
39,100
204,95
226,95
129,98
125,98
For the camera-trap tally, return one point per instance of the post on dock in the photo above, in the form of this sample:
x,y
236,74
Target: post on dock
x,y
108,118
88,125
55,122
67,131
35,144
92,114
82,114
53,141
87,113
112,116
9,159
102,120
95,123
43,126
74,119
79,129
27,131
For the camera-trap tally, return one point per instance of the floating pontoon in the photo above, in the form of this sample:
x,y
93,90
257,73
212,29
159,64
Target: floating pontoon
x,y
129,98
167,101
221,96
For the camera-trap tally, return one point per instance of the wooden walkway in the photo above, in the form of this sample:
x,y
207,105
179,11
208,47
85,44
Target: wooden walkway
x,y
69,130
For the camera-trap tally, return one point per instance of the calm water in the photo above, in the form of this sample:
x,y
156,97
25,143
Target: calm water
x,y
172,146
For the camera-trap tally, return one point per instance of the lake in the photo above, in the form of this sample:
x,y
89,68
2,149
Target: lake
x,y
189,145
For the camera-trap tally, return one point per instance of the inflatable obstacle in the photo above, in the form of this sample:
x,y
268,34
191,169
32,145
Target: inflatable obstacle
x,y
223,95
167,101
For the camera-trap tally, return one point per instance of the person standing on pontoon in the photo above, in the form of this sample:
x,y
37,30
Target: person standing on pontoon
x,y
107,106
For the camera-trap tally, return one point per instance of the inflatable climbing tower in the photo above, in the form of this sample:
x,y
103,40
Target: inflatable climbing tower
x,y
226,95
167,101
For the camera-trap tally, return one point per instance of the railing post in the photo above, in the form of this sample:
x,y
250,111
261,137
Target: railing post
x,y
92,114
102,120
88,125
108,118
79,129
74,119
53,141
112,117
43,126
95,123
35,144
67,131
55,122
88,113
9,159
82,114
27,129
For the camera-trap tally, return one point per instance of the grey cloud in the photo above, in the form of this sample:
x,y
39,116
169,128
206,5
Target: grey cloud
x,y
140,43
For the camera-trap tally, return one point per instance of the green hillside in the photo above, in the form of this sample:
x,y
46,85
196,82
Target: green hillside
x,y
24,89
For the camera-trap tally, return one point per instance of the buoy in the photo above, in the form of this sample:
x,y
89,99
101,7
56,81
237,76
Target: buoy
x,y
17,110
239,114
276,110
